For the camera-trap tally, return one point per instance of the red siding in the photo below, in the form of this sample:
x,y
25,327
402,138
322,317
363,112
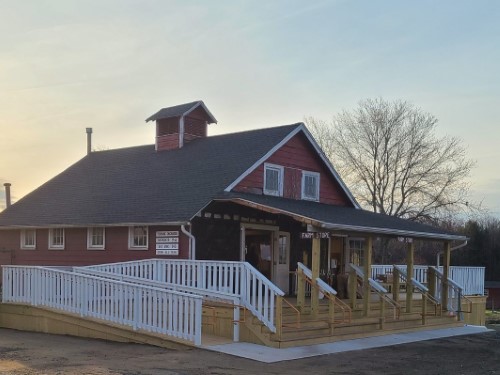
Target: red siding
x,y
75,248
167,142
195,127
297,155
167,126
493,300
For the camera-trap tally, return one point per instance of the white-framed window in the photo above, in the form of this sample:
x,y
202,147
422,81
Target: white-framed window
x,y
273,180
95,238
56,238
310,186
357,251
138,238
28,239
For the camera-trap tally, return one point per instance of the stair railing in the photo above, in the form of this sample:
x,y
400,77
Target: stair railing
x,y
455,292
327,291
424,291
382,293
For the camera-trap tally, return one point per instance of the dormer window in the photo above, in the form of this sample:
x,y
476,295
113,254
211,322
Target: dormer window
x,y
310,186
273,180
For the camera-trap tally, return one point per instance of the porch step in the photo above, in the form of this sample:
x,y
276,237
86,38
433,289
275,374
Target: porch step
x,y
320,332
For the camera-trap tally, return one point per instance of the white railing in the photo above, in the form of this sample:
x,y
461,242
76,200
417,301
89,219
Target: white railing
x,y
238,279
471,279
454,293
141,307
419,272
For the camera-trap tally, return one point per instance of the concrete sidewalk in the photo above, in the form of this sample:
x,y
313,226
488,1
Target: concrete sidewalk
x,y
271,355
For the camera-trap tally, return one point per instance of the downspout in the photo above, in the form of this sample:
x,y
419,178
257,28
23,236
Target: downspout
x,y
453,248
192,242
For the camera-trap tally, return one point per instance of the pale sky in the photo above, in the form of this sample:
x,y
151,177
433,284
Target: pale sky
x,y
67,65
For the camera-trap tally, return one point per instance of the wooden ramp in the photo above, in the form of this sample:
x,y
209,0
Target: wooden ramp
x,y
40,319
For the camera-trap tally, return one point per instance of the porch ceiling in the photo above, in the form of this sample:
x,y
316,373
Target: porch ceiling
x,y
340,218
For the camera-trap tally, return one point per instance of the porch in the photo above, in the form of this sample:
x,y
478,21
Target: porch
x,y
196,302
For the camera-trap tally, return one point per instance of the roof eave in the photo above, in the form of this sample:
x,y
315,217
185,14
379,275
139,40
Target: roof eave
x,y
185,113
86,225
346,227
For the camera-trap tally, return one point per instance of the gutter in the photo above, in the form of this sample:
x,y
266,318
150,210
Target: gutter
x,y
453,248
192,242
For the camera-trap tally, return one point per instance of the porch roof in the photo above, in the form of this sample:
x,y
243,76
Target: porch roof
x,y
339,218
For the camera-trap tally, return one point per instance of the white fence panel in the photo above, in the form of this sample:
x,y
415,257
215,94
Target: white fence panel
x,y
141,307
238,279
471,279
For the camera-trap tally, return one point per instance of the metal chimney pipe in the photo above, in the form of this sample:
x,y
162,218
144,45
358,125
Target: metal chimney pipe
x,y
7,194
89,140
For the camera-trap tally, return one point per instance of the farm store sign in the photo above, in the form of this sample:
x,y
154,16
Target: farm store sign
x,y
308,235
167,242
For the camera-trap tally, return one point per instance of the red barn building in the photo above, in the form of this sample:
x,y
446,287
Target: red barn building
x,y
229,197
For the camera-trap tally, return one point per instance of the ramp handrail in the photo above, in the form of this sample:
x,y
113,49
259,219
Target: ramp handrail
x,y
239,279
206,294
143,307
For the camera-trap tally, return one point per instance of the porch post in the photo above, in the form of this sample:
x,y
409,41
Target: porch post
x,y
352,284
446,273
410,253
315,274
367,274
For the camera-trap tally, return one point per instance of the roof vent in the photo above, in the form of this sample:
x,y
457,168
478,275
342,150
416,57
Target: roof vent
x,y
180,124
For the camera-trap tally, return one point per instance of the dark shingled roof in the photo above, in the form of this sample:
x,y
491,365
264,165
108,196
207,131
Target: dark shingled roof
x,y
345,218
178,110
139,185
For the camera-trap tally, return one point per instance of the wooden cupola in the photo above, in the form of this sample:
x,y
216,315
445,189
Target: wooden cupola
x,y
177,125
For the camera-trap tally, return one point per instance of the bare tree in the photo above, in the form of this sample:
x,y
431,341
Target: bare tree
x,y
393,162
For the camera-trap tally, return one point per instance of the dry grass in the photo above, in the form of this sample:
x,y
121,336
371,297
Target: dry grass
x,y
492,317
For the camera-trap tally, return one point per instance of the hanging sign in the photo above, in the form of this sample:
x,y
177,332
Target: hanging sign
x,y
308,235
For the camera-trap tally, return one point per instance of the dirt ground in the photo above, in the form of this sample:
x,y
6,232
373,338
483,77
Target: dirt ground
x,y
36,353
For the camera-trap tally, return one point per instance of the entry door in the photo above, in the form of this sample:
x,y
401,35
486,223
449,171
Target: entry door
x,y
281,261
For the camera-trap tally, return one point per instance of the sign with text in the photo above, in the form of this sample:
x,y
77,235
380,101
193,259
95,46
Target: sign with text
x,y
167,246
167,242
308,235
167,233
167,252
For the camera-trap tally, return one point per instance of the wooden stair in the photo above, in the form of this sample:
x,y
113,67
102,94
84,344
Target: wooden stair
x,y
315,329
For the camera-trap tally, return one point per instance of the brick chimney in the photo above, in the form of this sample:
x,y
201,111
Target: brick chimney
x,y
180,124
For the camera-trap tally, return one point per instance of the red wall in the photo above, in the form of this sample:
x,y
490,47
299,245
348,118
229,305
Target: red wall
x,y
297,155
493,300
75,248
